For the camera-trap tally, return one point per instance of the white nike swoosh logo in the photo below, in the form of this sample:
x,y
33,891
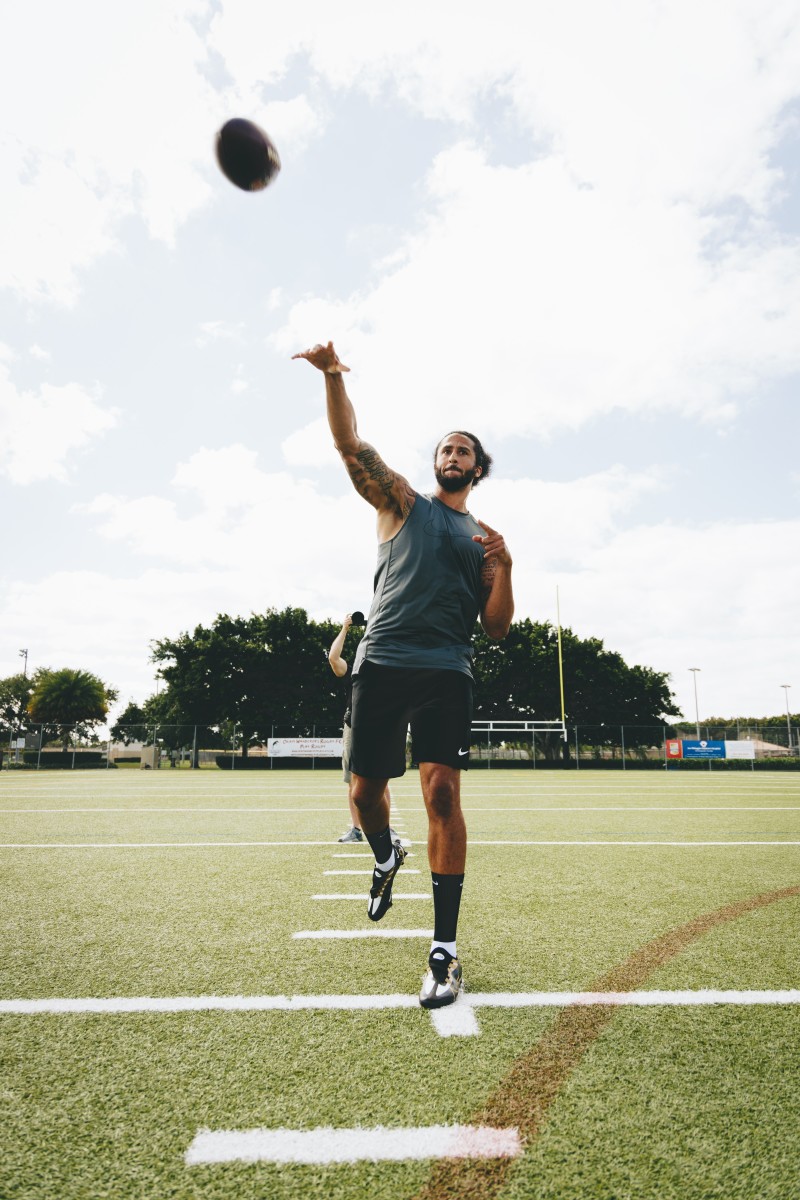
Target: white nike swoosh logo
x,y
463,752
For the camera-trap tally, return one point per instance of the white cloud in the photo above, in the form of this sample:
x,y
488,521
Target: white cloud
x,y
721,596
40,431
99,134
668,596
219,331
292,124
677,100
529,304
225,511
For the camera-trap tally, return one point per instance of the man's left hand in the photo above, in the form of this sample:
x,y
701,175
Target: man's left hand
x,y
494,545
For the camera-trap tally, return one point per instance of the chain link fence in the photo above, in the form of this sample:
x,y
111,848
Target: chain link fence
x,y
220,747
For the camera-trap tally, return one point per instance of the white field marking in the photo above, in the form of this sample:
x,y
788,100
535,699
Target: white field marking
x,y
361,854
327,1145
362,896
476,842
456,1020
555,808
473,842
178,1004
657,808
704,997
142,845
406,871
347,934
185,809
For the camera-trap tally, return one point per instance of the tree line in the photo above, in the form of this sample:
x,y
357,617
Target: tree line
x,y
270,670
245,677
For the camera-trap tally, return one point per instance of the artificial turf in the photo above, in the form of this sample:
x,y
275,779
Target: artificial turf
x,y
677,1103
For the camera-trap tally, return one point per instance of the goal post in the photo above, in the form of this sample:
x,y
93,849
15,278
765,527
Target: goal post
x,y
518,730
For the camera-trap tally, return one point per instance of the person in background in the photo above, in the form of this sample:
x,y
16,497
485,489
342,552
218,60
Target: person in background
x,y
342,670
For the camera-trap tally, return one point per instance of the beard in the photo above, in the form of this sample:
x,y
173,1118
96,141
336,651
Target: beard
x,y
455,481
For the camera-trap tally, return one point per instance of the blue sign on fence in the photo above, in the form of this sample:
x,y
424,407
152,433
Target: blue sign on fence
x,y
703,749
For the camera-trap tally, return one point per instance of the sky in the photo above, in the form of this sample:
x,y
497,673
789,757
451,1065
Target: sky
x,y
573,228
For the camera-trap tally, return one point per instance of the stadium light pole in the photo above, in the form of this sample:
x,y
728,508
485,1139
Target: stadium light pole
x,y
786,687
694,671
24,656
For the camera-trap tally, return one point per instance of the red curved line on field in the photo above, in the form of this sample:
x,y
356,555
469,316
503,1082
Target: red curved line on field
x,y
535,1080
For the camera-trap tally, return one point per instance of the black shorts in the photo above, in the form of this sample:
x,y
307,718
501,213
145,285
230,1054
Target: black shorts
x,y
386,700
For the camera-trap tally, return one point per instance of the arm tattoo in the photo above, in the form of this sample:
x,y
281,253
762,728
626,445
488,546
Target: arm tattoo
x,y
370,471
488,571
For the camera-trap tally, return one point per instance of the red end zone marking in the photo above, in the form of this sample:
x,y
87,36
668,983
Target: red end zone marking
x,y
535,1080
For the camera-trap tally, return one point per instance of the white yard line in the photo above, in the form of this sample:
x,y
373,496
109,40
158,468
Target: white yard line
x,y
152,808
406,871
364,855
362,896
704,997
143,845
350,934
587,842
555,808
327,1145
472,842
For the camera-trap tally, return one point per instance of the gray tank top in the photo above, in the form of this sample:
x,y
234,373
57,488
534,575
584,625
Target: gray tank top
x,y
427,592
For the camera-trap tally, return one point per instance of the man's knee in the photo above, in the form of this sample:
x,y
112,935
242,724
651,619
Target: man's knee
x,y
442,794
366,793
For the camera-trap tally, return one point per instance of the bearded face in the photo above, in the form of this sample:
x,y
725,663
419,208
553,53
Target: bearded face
x,y
455,478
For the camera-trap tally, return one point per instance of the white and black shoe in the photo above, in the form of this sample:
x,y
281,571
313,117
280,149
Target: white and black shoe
x,y
380,894
443,980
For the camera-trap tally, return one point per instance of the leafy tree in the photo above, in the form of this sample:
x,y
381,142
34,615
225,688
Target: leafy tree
x,y
518,679
130,725
270,670
15,693
69,699
261,671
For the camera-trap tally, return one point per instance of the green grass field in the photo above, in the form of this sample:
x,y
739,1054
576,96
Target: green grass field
x,y
164,885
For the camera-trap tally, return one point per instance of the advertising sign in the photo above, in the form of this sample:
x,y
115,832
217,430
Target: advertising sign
x,y
703,749
305,747
674,748
742,749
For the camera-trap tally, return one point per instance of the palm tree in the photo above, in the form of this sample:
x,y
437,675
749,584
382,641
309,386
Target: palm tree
x,y
68,698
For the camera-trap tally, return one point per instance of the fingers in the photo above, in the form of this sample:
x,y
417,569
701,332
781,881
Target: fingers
x,y
493,542
324,358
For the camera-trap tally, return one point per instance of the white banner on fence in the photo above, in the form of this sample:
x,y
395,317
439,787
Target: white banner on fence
x,y
305,747
742,749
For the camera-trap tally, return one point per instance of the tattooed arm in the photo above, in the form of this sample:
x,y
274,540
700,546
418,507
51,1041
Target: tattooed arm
x,y
383,488
497,604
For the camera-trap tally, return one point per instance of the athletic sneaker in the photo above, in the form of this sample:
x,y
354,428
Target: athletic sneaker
x,y
443,980
380,894
352,835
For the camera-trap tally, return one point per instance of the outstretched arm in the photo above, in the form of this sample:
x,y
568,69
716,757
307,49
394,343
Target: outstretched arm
x,y
497,609
339,664
383,488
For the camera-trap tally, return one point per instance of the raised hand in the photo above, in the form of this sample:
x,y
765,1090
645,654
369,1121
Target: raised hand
x,y
324,358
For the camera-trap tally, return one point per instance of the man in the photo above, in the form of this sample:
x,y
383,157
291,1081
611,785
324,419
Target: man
x,y
438,570
341,669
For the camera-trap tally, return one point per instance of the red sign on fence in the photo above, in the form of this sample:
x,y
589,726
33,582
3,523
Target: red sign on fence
x,y
674,748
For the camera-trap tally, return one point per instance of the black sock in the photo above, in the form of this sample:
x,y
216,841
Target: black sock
x,y
381,844
446,901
